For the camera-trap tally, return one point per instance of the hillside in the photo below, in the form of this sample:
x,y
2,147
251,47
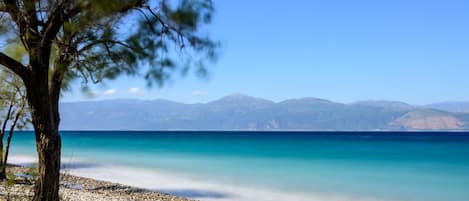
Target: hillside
x,y
241,112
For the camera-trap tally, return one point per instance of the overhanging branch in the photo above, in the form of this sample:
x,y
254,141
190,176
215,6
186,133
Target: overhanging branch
x,y
13,65
11,6
54,23
99,42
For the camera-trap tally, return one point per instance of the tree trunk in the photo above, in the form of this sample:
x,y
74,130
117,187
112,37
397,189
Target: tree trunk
x,y
44,113
2,134
18,115
7,148
48,147
48,144
2,166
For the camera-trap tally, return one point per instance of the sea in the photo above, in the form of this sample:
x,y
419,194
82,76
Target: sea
x,y
270,166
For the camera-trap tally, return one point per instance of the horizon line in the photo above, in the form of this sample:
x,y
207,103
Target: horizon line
x,y
245,95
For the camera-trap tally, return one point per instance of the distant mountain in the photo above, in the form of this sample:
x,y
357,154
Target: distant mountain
x,y
453,106
242,112
242,100
425,119
392,105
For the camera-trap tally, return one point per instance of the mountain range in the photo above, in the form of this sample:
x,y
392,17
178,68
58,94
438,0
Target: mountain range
x,y
242,112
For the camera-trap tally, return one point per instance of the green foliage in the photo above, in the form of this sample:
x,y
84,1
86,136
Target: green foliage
x,y
3,25
107,38
16,51
32,171
10,180
147,47
13,92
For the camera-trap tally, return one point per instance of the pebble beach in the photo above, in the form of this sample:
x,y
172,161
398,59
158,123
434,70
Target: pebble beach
x,y
74,188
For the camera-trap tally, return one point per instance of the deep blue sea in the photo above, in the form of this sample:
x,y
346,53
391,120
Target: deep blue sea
x,y
271,166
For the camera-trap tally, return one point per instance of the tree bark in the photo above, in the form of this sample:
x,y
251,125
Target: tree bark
x,y
7,150
2,134
48,144
2,165
48,148
44,113
18,115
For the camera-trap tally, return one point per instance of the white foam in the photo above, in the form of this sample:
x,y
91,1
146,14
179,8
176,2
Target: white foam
x,y
205,190
21,159
26,160
168,182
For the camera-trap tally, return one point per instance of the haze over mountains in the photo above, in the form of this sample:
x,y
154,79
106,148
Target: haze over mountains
x,y
241,112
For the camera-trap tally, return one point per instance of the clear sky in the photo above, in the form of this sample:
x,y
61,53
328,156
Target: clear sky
x,y
415,51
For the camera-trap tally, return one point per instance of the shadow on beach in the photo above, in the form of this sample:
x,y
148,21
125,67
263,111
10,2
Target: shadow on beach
x,y
192,193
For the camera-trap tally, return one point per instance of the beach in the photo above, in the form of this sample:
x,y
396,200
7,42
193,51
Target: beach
x,y
75,188
262,166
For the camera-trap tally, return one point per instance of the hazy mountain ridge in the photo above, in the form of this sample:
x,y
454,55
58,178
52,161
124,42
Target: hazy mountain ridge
x,y
451,106
241,112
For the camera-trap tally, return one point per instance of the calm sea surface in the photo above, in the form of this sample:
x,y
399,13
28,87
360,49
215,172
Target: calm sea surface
x,y
248,166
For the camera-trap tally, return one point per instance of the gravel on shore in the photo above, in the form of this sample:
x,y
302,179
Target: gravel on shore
x,y
74,188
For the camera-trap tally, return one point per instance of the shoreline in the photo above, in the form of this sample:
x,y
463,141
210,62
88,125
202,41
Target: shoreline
x,y
77,188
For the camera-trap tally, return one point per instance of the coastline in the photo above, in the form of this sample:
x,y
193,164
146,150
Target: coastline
x,y
76,188
266,167
79,188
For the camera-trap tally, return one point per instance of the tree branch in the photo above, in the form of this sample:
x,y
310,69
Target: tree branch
x,y
18,115
98,42
53,24
7,118
167,27
136,4
30,7
13,65
11,6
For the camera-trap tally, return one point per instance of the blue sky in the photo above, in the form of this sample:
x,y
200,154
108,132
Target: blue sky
x,y
415,51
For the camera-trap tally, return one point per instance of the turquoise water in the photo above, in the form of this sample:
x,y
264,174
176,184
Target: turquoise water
x,y
279,165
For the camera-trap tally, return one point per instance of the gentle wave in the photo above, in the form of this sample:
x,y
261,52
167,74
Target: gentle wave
x,y
187,187
22,160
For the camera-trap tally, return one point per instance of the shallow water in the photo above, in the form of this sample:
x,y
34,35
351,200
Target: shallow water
x,y
272,165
